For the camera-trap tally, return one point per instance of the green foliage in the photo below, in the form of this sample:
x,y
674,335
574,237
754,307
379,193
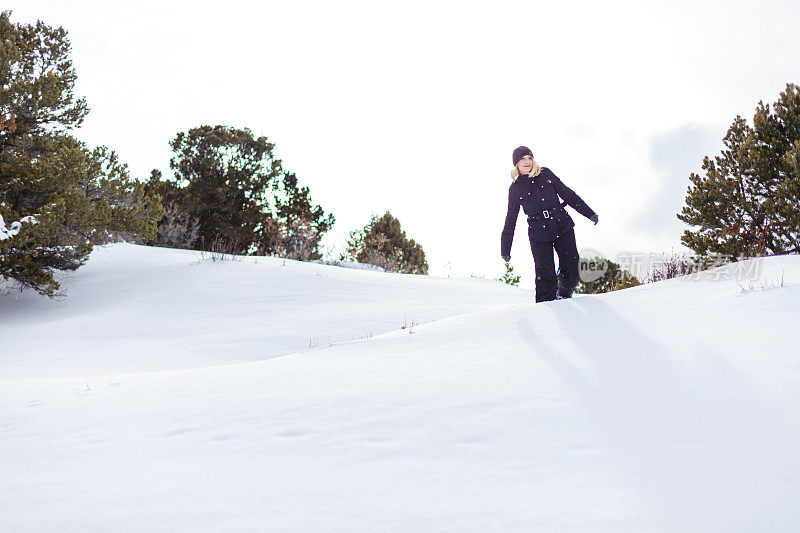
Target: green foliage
x,y
77,196
37,83
613,279
382,242
300,224
509,276
748,202
224,176
229,183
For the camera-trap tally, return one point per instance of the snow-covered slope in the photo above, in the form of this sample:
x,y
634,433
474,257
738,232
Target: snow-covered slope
x,y
666,407
141,309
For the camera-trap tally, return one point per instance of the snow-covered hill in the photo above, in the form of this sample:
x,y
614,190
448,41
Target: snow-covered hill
x,y
141,309
152,399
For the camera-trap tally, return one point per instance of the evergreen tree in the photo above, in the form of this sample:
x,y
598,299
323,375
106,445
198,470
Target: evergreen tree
x,y
70,196
300,224
614,278
509,276
224,177
230,184
748,202
382,242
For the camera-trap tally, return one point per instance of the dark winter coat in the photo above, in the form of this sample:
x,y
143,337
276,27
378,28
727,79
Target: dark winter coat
x,y
537,195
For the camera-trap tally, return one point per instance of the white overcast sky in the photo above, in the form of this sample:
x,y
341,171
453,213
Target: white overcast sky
x,y
415,107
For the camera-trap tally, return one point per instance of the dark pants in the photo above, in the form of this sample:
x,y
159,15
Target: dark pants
x,y
546,282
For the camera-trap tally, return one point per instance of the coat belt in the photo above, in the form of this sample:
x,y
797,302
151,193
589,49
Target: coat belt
x,y
547,213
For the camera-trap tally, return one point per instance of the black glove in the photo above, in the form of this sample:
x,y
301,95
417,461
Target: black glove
x,y
593,218
506,258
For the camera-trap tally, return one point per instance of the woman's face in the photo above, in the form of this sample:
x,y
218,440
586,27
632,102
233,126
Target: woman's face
x,y
525,165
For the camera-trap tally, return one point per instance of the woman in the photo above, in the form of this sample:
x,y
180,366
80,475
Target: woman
x,y
550,227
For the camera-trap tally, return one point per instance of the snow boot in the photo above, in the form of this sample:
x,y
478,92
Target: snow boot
x,y
560,296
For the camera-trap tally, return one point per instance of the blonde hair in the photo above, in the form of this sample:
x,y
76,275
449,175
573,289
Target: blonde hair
x,y
534,172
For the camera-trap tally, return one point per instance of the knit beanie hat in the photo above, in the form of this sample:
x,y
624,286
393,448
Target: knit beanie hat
x,y
520,152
